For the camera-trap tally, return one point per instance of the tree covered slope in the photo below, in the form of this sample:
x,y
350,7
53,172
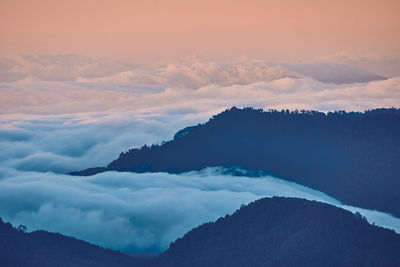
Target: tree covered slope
x,y
351,156
41,248
285,232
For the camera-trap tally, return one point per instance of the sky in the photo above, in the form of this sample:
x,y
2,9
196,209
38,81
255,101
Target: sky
x,y
152,31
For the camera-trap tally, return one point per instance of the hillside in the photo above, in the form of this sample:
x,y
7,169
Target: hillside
x,y
285,232
41,248
353,157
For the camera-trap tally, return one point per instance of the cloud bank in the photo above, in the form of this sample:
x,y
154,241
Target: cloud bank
x,y
187,73
384,65
140,212
198,74
65,84
292,93
62,144
58,67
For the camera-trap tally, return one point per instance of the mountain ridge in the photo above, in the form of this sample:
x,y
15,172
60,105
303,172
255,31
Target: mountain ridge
x,y
42,248
285,232
351,156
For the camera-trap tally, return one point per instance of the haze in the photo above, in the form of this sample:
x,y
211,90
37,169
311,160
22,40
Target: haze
x,y
151,31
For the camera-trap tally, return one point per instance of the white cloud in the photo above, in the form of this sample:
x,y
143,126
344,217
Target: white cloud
x,y
29,68
139,212
73,97
63,143
182,74
57,67
387,66
334,72
198,74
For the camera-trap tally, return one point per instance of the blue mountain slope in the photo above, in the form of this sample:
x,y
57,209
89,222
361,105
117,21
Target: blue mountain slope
x,y
353,157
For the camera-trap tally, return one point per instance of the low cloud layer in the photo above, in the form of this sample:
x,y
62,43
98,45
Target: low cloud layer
x,y
70,84
57,67
63,144
383,65
292,93
187,73
199,74
139,212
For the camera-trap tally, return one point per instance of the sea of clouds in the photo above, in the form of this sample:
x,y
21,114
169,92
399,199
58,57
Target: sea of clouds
x,y
66,143
65,84
141,212
65,113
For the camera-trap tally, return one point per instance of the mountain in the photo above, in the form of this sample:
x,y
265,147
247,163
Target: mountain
x,y
285,232
41,248
353,156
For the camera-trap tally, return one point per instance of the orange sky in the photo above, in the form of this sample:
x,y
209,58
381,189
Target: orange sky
x,y
149,30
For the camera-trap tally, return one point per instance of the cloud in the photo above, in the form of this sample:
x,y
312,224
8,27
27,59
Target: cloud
x,y
139,212
72,97
183,74
193,73
387,66
334,73
57,67
63,143
198,74
30,68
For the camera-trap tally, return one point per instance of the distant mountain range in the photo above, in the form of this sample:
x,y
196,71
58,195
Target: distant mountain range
x,y
353,156
267,232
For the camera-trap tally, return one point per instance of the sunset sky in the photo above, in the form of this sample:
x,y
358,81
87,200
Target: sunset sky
x,y
150,31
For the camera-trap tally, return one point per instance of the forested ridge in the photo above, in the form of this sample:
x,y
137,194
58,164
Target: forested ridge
x,y
285,232
42,248
352,156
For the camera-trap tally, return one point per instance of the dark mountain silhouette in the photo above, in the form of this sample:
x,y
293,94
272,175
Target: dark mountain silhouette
x,y
285,232
353,157
41,248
